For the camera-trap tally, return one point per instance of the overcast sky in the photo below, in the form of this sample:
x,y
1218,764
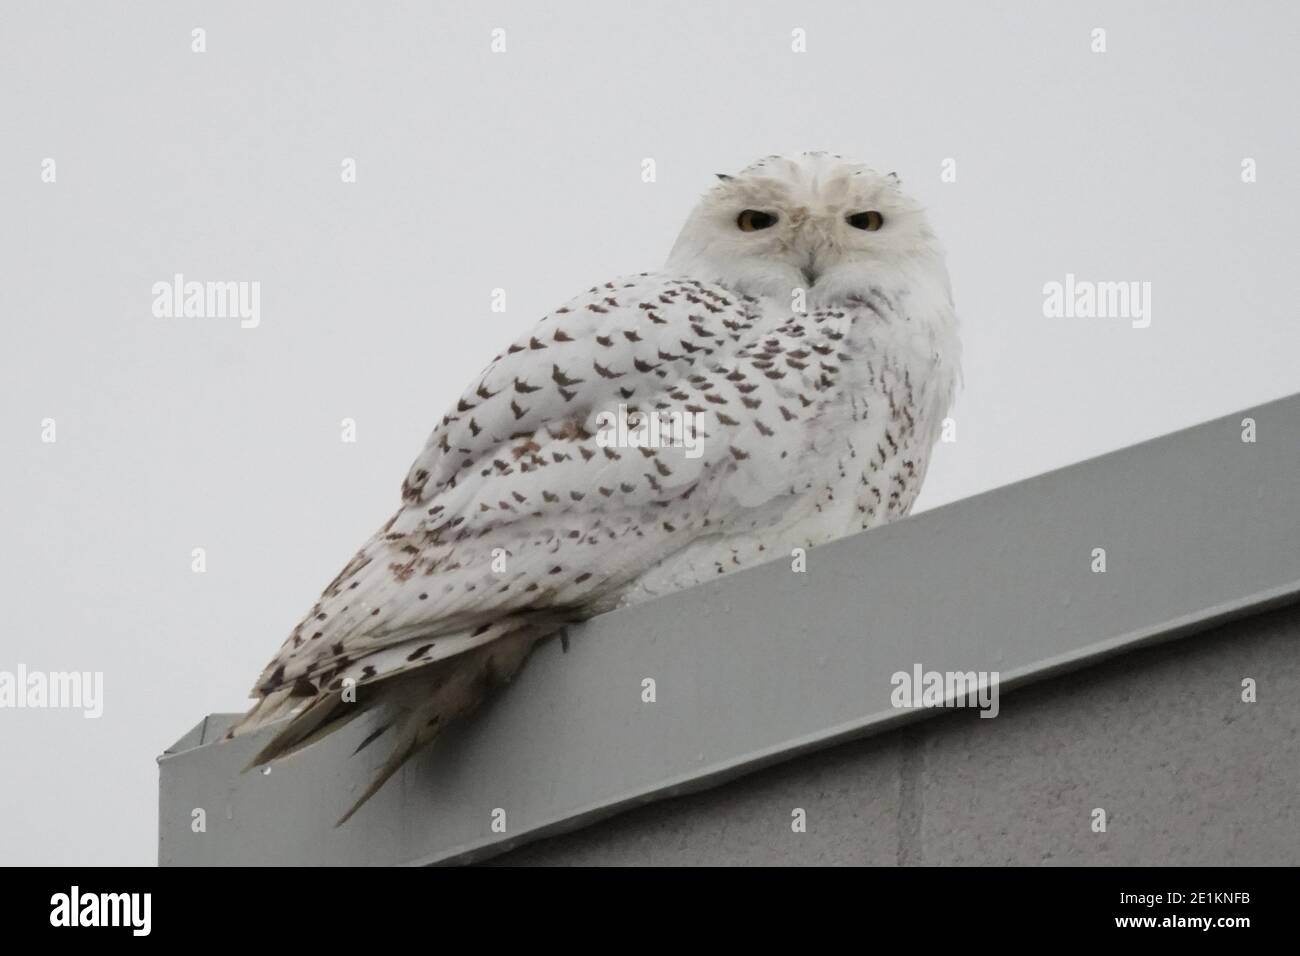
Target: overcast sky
x,y
522,170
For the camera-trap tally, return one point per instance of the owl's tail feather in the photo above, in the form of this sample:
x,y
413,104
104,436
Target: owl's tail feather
x,y
277,705
463,684
318,719
413,706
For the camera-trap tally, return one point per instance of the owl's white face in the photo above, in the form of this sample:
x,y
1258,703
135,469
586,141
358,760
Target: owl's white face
x,y
815,222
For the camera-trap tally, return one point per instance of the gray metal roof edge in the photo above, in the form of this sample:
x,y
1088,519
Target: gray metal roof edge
x,y
198,735
870,726
1100,457
187,741
851,730
1201,553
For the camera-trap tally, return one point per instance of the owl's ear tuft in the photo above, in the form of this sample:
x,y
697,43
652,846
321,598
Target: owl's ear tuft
x,y
893,178
724,177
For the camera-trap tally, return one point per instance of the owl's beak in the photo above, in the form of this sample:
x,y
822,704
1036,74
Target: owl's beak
x,y
809,237
814,256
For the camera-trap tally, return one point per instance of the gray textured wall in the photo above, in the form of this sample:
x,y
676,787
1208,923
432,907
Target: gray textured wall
x,y
1187,774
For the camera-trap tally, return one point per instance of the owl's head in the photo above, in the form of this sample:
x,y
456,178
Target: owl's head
x,y
816,222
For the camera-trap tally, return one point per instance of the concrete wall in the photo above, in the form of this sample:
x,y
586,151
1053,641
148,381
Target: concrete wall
x,y
1187,773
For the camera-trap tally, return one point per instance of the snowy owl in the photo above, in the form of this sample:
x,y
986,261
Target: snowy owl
x,y
802,343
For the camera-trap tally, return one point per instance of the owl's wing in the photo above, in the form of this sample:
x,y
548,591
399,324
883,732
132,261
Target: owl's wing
x,y
518,506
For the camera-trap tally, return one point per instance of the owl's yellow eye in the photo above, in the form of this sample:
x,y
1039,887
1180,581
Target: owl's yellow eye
x,y
870,221
752,219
